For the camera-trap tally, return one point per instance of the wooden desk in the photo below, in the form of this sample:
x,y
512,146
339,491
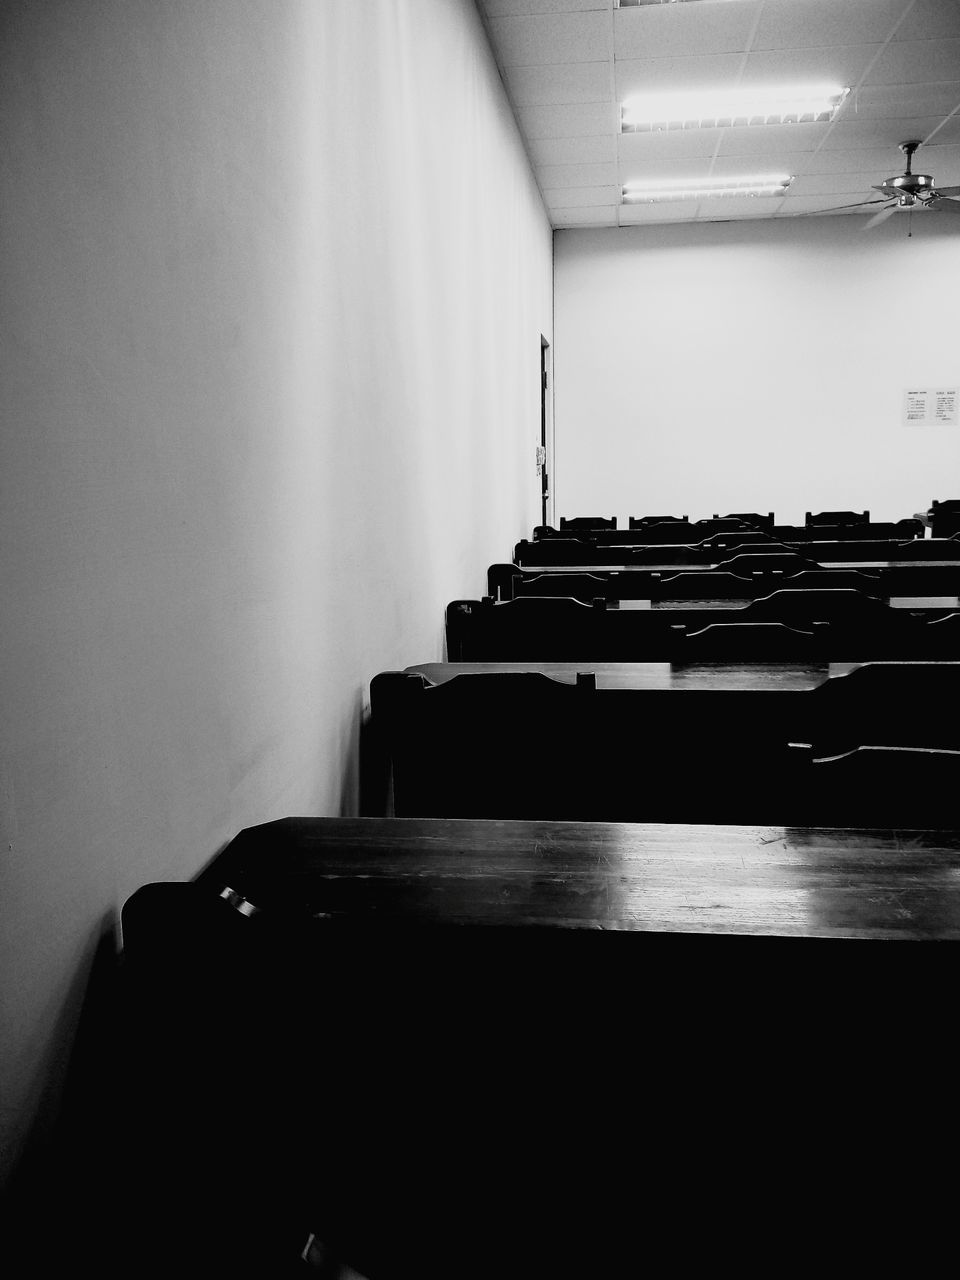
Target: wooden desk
x,y
652,742
566,556
678,602
662,878
783,676
435,1040
613,565
937,585
787,625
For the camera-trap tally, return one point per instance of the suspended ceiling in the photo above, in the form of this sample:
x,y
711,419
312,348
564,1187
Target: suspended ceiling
x,y
568,65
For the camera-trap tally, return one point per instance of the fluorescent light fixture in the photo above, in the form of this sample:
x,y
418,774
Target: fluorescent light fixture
x,y
651,192
728,107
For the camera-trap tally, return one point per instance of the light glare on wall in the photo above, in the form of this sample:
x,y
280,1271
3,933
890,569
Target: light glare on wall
x,y
716,110
765,184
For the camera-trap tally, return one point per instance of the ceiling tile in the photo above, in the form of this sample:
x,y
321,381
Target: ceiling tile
x,y
571,83
575,175
565,121
803,24
668,170
873,135
930,20
580,197
604,215
672,30
514,8
943,163
836,64
668,211
860,183
948,133
840,163
738,207
668,144
880,101
574,151
772,139
557,38
640,75
741,166
916,62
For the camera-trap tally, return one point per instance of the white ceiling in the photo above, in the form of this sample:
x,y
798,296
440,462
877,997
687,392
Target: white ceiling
x,y
568,64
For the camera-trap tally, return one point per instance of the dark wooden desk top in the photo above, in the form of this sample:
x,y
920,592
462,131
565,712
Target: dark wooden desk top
x,y
668,602
655,675
613,565
597,876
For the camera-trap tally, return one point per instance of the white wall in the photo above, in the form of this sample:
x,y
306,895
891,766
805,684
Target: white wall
x,y
754,366
274,278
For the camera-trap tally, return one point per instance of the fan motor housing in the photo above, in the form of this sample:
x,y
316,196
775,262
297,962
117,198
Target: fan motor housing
x,y
912,184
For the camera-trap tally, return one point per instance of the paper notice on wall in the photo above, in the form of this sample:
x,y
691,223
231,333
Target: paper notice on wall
x,y
935,406
945,406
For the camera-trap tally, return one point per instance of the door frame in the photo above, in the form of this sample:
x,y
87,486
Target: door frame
x,y
547,440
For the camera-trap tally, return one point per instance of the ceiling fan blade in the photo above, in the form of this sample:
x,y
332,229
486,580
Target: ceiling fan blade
x,y
879,217
945,206
948,191
859,204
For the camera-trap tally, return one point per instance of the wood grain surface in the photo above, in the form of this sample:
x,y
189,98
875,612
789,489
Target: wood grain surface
x,y
786,881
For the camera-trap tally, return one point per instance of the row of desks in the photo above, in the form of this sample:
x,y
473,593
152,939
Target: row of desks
x,y
430,1042
732,530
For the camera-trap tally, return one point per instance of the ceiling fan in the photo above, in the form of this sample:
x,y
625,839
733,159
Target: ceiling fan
x,y
907,191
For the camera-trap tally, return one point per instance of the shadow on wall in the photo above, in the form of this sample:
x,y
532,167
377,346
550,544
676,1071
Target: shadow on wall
x,y
351,778
61,1195
61,1184
375,798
